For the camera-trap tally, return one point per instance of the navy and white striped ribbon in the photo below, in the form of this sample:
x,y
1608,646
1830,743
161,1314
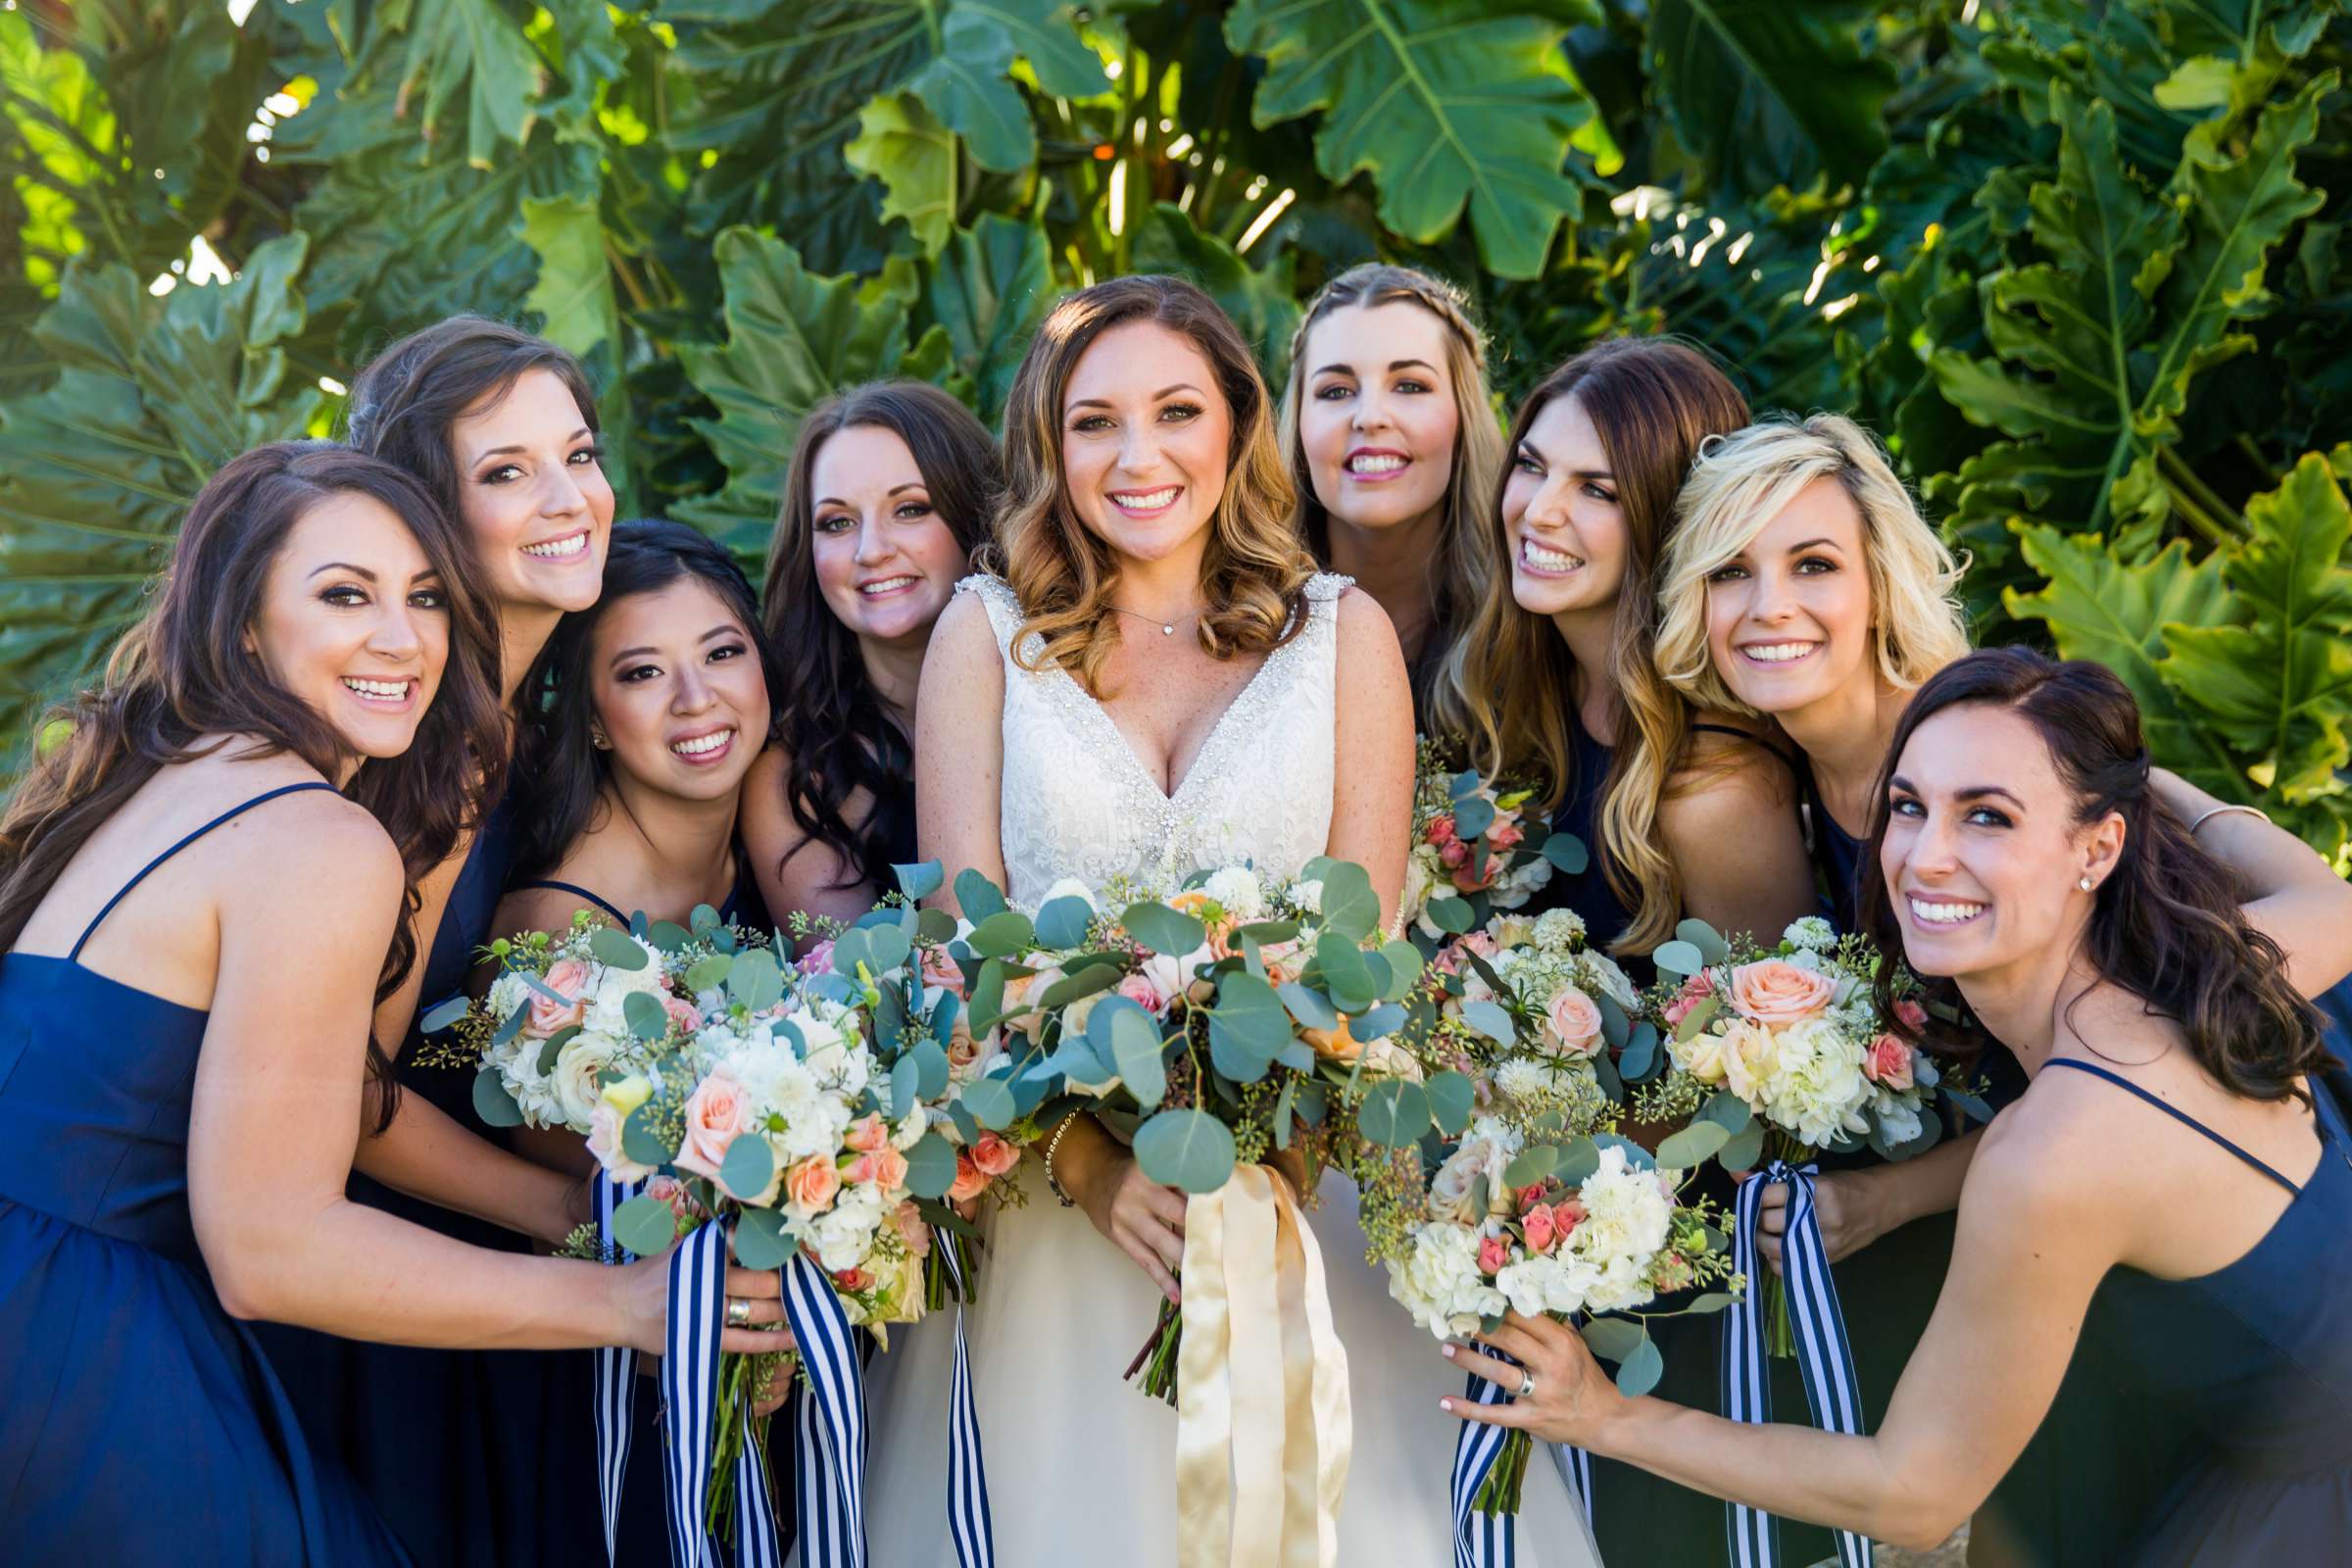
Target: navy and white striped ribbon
x,y
1823,1357
830,1462
1492,1541
616,1376
969,1522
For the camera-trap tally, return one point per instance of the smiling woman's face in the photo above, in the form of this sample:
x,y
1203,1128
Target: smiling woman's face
x,y
1789,618
532,491
1379,418
1146,437
886,560
680,700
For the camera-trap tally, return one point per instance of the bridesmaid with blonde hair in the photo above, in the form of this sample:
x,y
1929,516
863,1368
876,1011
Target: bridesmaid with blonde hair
x,y
1388,431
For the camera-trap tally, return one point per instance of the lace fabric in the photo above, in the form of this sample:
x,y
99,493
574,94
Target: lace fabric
x,y
1077,803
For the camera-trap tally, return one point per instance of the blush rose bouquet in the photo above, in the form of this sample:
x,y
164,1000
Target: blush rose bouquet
x,y
1474,849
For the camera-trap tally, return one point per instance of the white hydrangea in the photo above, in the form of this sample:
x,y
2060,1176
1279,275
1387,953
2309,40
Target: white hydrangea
x,y
1813,934
1307,894
1627,1212
608,993
1817,1090
1236,887
1559,930
507,992
1437,1281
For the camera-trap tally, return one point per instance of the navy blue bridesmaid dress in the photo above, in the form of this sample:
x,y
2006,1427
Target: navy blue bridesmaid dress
x,y
478,1458
140,1424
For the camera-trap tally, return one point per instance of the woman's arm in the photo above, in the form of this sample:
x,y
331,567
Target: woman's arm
x,y
276,1106
1728,823
960,747
794,870
2038,1232
2293,895
1372,789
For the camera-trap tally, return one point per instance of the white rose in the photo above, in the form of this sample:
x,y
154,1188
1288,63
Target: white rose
x,y
574,1081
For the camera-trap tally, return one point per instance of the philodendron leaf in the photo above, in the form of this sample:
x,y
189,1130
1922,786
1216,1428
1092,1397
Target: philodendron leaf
x,y
1189,1150
989,287
904,145
1442,110
1773,95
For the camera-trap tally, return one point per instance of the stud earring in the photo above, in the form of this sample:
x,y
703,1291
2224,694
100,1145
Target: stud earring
x,y
596,738
2086,884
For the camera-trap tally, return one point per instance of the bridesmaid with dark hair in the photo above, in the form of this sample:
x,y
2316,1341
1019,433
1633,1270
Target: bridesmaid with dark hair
x,y
890,492
477,1458
301,728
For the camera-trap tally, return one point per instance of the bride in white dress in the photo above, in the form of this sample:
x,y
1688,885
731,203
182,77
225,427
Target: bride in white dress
x,y
1253,712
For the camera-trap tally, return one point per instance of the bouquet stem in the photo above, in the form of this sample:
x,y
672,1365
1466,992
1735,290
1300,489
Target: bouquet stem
x,y
741,1380
1779,1335
1499,1493
1157,1360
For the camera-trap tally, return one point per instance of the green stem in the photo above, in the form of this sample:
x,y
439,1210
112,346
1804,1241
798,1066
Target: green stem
x,y
2210,506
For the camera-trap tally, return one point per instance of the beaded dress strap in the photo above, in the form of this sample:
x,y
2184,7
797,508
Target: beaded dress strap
x,y
578,892
2176,1113
91,930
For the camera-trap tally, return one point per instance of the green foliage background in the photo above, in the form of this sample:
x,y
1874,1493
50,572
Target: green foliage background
x,y
2087,267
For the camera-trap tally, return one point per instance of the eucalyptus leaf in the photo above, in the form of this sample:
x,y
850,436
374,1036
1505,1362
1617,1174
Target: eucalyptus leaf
x,y
1449,914
1452,1099
1727,1110
1742,1150
640,1142
645,1226
1310,1007
905,1079
930,1061
1349,907
1532,1164
1612,1339
669,936
918,881
1712,1301
616,950
1579,1158
1163,930
442,1014
760,1238
1063,921
1566,852
1346,975
1405,969
1678,958
990,1103
1135,1047
710,973
1189,1149
492,1103
1394,1113
756,982
646,1018
1705,938
1003,934
749,1167
1086,982
977,896
1680,1151
1492,1019
1639,1371
931,1166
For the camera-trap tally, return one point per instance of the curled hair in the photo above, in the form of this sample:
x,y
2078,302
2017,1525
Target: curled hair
x,y
1254,574
1509,686
1464,564
1745,480
838,736
2167,925
183,674
407,400
558,766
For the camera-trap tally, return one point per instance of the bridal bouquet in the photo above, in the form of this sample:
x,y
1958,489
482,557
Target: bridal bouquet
x,y
1531,1012
1474,849
1572,1230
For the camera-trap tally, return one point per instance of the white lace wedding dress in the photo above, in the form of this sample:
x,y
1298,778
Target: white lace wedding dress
x,y
1081,1466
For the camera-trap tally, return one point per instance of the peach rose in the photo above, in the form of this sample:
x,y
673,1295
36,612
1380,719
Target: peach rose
x,y
995,1155
569,977
940,969
1493,1254
1911,1015
1540,1232
717,1113
1774,992
604,1143
682,1014
853,1279
1440,829
885,1168
912,1229
970,1181
1887,1063
1022,991
868,1132
1576,1019
813,1184
1334,1044
1139,989
1566,1215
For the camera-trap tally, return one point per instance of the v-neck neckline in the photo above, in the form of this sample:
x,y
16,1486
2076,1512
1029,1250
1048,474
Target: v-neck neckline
x,y
1208,742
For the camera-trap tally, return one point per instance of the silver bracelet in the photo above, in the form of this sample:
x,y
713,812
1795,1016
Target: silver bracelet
x,y
2208,816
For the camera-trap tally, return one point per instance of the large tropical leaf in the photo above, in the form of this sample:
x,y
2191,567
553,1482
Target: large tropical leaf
x,y
1263,304
96,470
1444,105
1770,93
2098,340
989,288
2279,688
793,338
2103,609
904,145
466,65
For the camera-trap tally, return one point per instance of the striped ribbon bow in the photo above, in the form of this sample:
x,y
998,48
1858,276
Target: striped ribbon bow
x,y
969,1522
1492,1541
1822,1354
615,1375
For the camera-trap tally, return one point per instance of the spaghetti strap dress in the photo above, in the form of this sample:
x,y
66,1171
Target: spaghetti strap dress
x,y
478,1458
2254,1360
141,1423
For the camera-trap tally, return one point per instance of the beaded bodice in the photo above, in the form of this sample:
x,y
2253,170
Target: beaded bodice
x,y
1076,803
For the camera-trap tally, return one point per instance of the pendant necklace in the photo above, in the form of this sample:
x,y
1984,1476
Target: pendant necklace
x,y
1167,628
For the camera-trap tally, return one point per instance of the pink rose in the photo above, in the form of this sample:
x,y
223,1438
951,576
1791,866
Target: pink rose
x,y
1540,1231
1911,1015
1566,1215
1887,1063
1505,834
885,1168
868,1132
1440,830
1695,990
819,959
1528,1196
682,1014
1454,854
970,1181
912,1230
994,1155
853,1279
1494,1255
717,1113
569,978
1774,992
1451,961
1140,990
1576,1019
675,1193
813,1184
939,969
